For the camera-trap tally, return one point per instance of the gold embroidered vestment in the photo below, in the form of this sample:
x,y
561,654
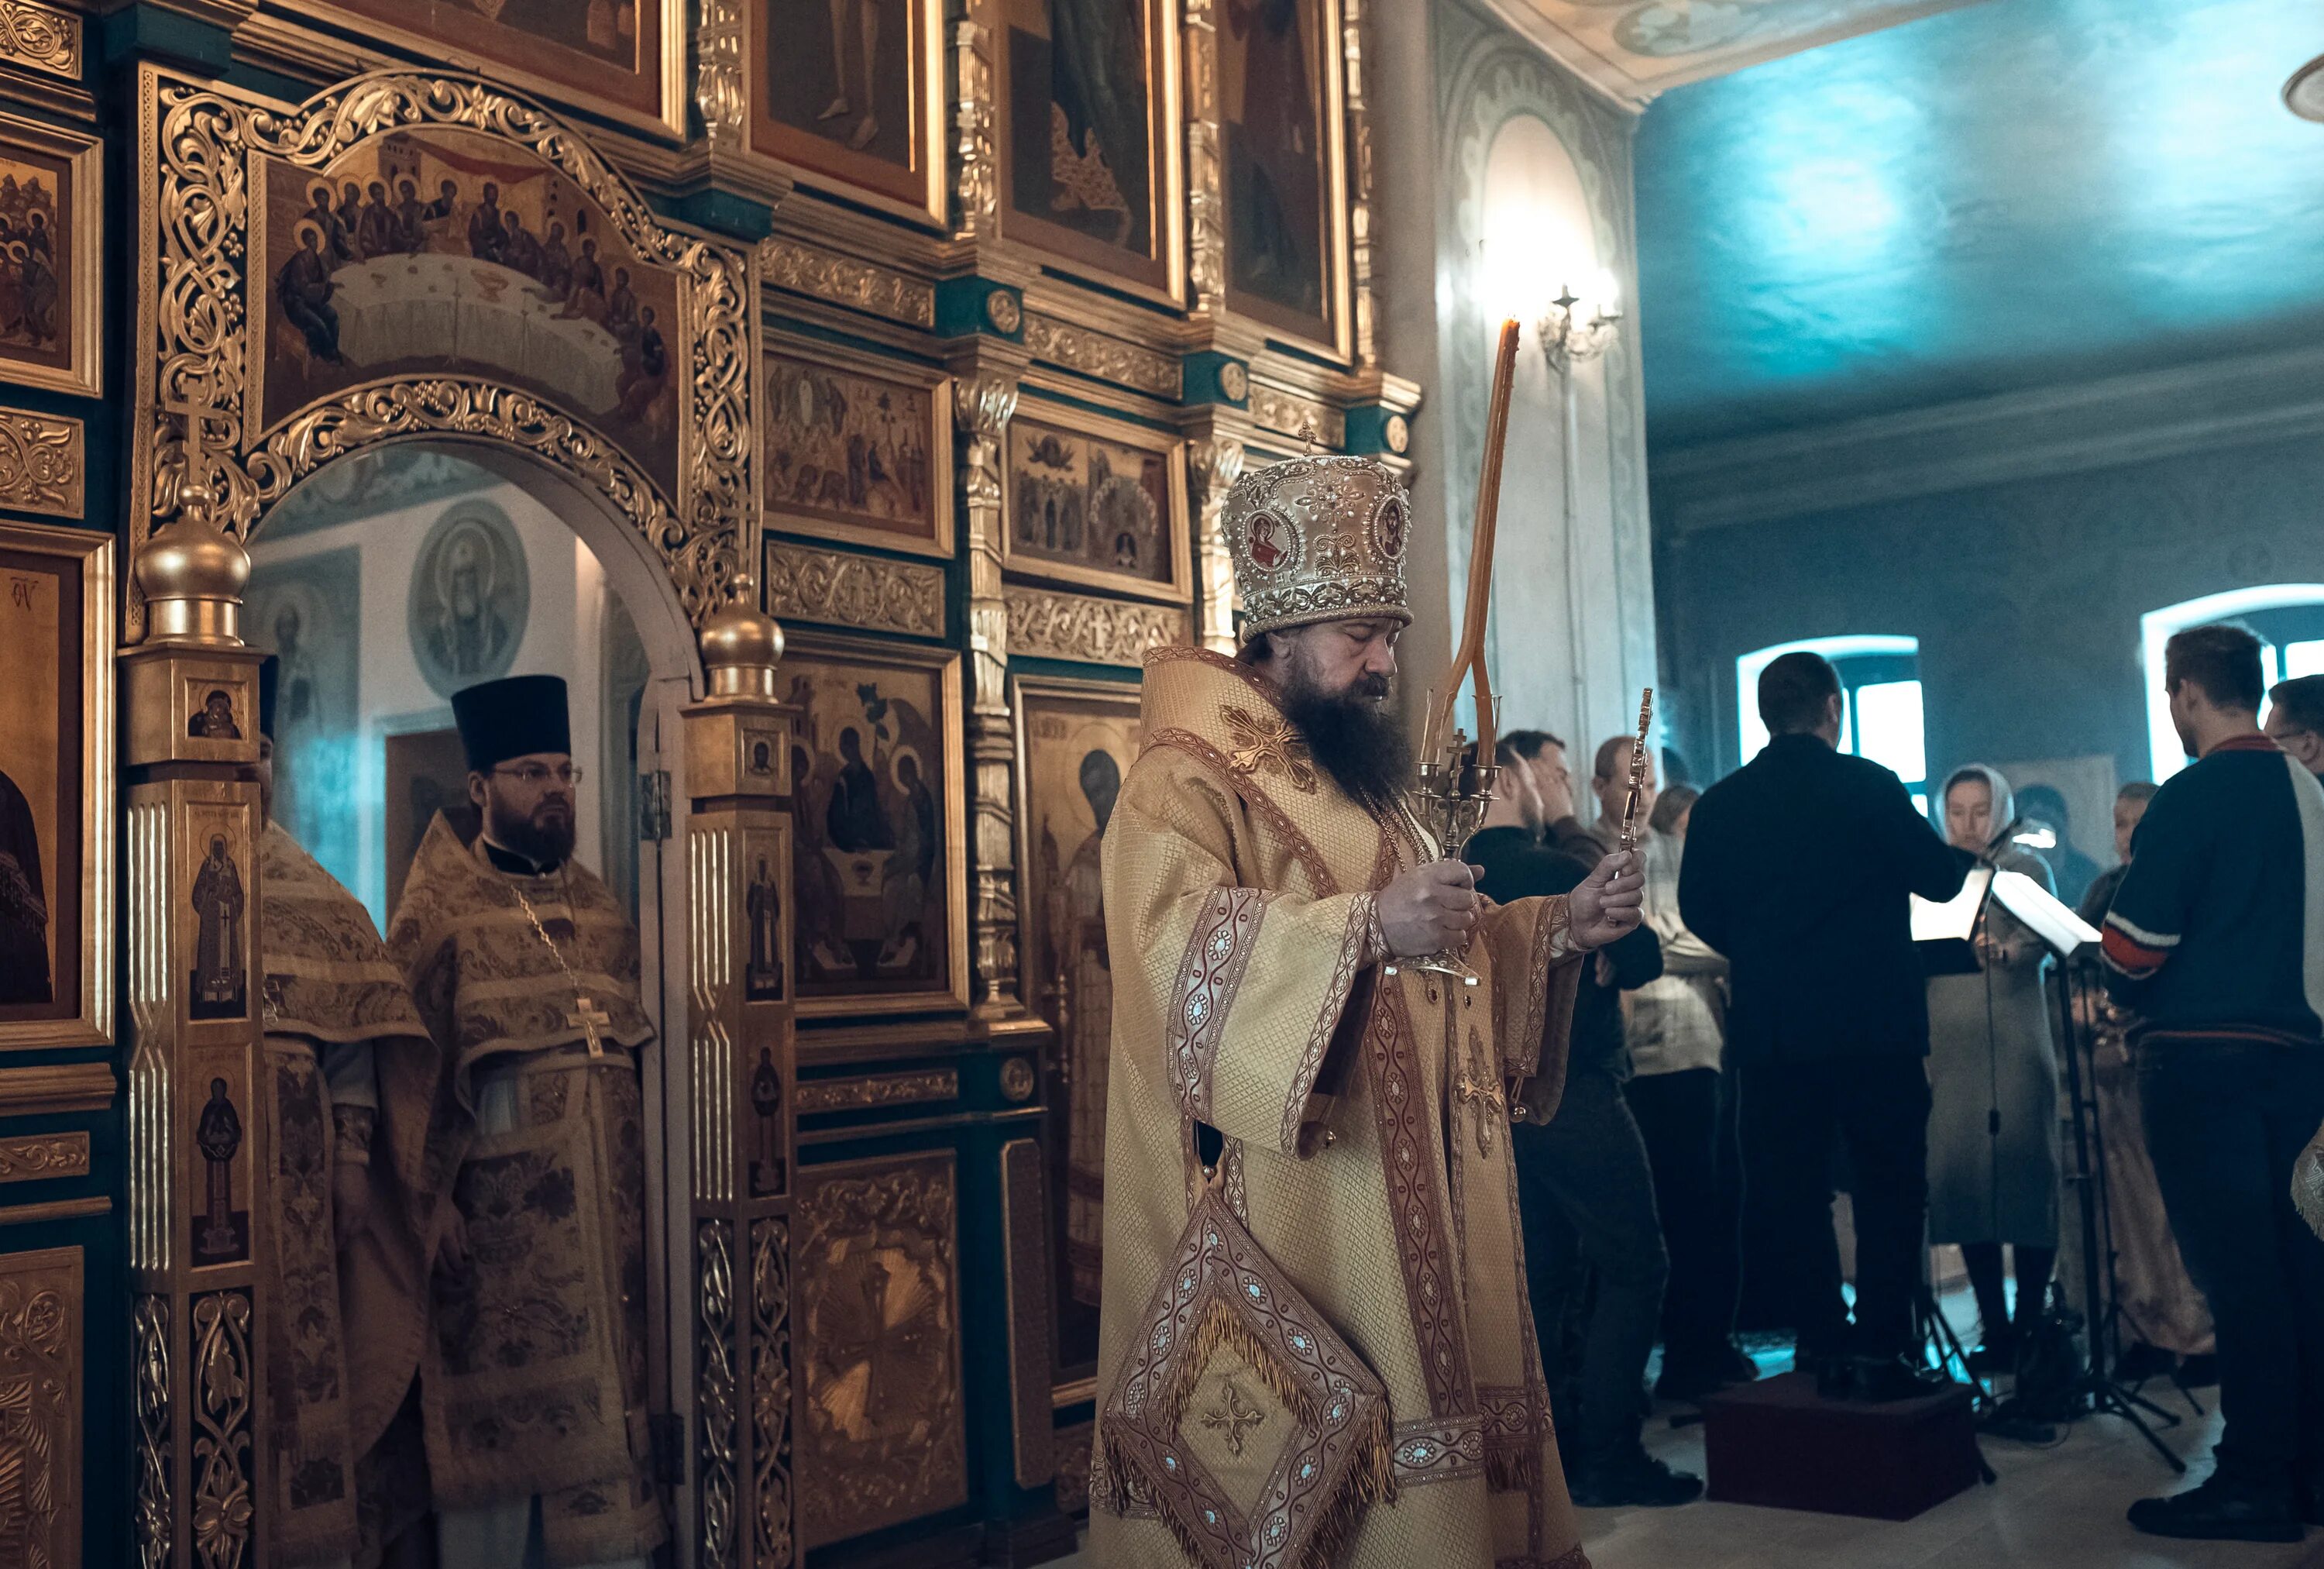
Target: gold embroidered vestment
x,y
1240,887
533,1379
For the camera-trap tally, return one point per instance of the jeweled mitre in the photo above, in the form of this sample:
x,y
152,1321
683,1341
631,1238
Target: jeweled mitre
x,y
1318,538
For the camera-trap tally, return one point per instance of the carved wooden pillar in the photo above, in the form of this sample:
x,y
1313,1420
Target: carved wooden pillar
x,y
984,399
199,1140
738,748
975,154
1359,119
1206,218
1215,460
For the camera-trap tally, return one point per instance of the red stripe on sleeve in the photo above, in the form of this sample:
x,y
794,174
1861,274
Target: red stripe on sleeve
x,y
2132,958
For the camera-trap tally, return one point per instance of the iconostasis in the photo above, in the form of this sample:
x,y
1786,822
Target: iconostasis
x,y
514,336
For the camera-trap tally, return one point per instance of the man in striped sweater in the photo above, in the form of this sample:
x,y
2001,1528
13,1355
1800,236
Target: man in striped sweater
x,y
2215,938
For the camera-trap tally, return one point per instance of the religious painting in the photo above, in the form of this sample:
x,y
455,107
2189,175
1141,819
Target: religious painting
x,y
471,595
851,91
56,786
765,872
308,609
218,884
450,252
1089,135
221,1209
52,257
770,1165
624,59
427,772
1075,741
858,449
878,907
1102,503
765,749
1279,109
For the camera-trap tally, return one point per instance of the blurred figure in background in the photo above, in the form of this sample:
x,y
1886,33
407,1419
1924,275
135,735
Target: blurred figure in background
x,y
2295,720
2042,807
1677,1029
1993,1080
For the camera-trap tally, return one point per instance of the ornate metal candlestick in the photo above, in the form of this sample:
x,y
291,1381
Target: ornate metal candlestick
x,y
1450,798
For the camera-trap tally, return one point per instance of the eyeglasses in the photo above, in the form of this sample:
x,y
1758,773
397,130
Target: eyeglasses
x,y
533,775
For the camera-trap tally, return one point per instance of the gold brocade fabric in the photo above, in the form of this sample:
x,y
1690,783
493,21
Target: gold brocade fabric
x,y
1239,887
344,1337
534,1377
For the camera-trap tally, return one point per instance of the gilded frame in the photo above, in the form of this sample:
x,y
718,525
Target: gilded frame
x,y
950,724
825,162
1026,693
787,519
1164,278
84,157
92,1022
670,77
1073,423
1338,340
199,142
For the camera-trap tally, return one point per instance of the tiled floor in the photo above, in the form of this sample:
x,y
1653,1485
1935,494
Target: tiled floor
x,y
2055,1507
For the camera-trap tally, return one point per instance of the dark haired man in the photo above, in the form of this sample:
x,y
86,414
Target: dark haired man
x,y
2295,719
1541,757
1798,868
2215,938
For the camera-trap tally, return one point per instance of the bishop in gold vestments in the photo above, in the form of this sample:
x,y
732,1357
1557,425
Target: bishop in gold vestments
x,y
1354,1123
533,1379
345,1202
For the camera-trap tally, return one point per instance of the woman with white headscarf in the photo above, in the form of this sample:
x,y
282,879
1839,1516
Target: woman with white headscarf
x,y
1993,1074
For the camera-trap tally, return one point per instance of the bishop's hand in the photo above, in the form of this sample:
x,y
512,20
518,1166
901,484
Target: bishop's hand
x,y
1429,910
1611,903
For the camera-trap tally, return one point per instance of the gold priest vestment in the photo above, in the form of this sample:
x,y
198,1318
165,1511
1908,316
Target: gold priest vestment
x,y
343,1336
1366,1149
533,1377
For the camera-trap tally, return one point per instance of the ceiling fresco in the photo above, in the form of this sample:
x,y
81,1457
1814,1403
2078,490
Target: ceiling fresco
x,y
2015,195
1634,49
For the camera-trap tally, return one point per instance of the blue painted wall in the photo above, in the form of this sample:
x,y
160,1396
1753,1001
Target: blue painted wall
x,y
2026,596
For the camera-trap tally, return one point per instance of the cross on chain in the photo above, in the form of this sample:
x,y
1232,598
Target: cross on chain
x,y
589,1019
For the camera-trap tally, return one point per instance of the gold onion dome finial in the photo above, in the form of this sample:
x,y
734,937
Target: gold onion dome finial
x,y
192,574
741,646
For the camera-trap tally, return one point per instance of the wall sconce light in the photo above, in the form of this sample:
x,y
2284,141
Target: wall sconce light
x,y
1576,327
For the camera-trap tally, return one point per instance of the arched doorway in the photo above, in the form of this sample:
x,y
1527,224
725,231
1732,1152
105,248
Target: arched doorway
x,y
604,392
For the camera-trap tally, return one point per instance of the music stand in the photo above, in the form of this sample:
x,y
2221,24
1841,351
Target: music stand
x,y
2065,934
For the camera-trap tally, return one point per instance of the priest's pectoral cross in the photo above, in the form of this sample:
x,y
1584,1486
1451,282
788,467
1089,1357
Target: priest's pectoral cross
x,y
1481,1086
589,1020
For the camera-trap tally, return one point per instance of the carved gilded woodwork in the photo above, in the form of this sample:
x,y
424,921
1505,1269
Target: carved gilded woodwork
x,y
1363,331
1047,623
42,465
1025,1247
1301,418
1207,217
59,1209
1214,461
1107,358
984,401
975,157
773,1539
154,1512
197,144
721,88
716,1414
881,1438
826,275
42,1310
43,1155
864,1094
40,37
222,1383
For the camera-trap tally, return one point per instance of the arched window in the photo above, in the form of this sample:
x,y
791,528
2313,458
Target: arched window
x,y
2289,618
1880,680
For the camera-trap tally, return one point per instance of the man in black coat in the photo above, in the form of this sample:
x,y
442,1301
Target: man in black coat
x,y
1798,868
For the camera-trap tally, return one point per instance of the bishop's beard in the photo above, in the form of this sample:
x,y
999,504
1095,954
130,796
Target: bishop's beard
x,y
1353,735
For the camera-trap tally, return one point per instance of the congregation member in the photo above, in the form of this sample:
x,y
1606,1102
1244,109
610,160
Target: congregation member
x,y
2295,720
1609,786
348,1201
1674,1026
1595,1263
2212,941
526,971
1557,816
1296,1102
1993,1078
2166,1326
1798,868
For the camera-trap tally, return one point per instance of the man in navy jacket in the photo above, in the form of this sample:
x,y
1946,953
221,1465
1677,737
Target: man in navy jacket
x,y
1798,868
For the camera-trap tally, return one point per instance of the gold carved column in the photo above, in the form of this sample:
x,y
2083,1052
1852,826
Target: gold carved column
x,y
1206,218
1215,460
198,1138
740,1049
983,402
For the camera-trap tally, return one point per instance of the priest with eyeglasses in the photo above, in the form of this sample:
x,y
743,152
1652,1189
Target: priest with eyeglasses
x,y
525,969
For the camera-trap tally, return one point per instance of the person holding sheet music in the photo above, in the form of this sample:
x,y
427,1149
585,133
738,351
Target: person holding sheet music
x,y
1993,1080
2212,939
